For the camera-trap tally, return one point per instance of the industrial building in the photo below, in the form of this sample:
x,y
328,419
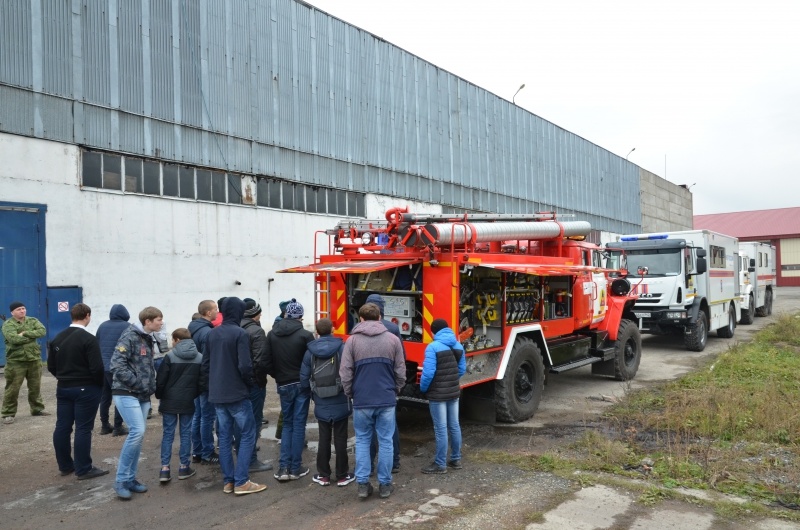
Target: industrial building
x,y
779,227
168,152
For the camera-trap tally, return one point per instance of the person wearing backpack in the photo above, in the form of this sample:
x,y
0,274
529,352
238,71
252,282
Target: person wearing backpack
x,y
319,373
444,364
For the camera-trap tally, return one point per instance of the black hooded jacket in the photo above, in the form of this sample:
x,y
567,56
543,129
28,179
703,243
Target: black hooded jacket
x,y
227,370
287,343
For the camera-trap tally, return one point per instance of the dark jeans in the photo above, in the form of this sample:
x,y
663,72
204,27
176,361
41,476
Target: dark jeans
x,y
257,398
339,429
294,405
373,448
105,403
75,406
239,413
203,427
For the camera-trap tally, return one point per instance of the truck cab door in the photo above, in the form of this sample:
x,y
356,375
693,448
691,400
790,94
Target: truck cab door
x,y
600,288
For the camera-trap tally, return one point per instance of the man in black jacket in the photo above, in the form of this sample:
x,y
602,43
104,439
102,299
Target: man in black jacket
x,y
75,361
287,343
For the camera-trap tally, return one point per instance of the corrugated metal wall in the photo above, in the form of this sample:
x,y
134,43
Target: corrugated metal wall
x,y
275,87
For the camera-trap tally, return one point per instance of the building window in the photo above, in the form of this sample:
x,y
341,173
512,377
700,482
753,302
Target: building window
x,y
135,175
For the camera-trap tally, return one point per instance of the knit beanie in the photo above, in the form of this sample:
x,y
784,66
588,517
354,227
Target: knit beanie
x,y
438,325
16,305
283,305
294,309
251,308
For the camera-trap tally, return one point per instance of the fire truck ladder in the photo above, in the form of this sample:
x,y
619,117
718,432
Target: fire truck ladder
x,y
320,279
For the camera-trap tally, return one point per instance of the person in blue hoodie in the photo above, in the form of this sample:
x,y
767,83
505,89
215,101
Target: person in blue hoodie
x,y
227,372
107,335
445,363
204,413
331,411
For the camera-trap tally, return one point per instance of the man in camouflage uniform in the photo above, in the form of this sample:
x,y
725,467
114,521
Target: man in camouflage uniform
x,y
23,361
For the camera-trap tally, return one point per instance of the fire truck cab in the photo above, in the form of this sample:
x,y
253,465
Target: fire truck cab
x,y
524,293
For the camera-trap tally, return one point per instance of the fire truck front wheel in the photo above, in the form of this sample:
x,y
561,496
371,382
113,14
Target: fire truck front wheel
x,y
696,335
517,395
629,351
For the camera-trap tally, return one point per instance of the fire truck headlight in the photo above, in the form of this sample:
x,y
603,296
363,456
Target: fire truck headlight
x,y
366,238
676,315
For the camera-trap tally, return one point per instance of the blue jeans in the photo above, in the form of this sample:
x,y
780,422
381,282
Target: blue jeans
x,y
134,413
367,421
241,414
294,405
78,406
373,448
170,421
445,420
203,427
257,398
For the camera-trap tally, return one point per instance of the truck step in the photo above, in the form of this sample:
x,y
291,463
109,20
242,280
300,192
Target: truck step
x,y
604,354
574,364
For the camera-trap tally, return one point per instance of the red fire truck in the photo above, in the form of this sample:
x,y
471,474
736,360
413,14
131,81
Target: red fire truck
x,y
526,295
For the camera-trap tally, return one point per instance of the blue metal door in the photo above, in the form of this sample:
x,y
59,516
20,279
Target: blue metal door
x,y
22,262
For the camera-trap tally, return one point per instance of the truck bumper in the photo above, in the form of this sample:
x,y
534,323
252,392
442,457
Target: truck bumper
x,y
662,321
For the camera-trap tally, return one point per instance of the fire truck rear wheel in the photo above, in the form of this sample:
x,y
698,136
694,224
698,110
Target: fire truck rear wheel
x,y
748,315
766,309
697,336
727,331
629,351
517,395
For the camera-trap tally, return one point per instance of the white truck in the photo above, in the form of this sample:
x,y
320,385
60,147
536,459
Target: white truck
x,y
688,283
757,277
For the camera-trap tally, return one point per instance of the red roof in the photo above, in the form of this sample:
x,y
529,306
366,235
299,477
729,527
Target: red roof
x,y
765,224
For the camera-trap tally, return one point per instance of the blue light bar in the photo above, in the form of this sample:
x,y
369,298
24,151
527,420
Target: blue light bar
x,y
637,238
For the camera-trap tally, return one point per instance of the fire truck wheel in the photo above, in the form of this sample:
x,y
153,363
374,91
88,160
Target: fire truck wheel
x,y
748,315
629,351
517,395
726,332
769,302
697,336
766,309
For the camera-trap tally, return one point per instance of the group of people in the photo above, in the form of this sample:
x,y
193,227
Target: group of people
x,y
218,374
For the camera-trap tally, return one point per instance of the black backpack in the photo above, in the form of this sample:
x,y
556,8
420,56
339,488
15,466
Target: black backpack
x,y
325,380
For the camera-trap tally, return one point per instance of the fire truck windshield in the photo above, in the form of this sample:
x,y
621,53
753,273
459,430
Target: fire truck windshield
x,y
659,262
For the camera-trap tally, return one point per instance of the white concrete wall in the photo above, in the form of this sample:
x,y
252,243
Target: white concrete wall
x,y
170,253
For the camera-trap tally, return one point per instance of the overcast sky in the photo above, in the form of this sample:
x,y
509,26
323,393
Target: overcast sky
x,y
708,92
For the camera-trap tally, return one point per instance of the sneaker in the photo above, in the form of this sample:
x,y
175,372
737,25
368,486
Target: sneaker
x,y
8,420
185,472
41,413
249,487
106,429
396,468
257,467
434,469
196,459
164,476
297,473
282,474
93,472
122,491
121,431
384,490
211,460
66,472
455,464
345,480
135,486
321,480
364,490
228,488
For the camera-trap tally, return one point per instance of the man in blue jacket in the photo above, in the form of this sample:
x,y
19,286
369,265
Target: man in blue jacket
x,y
444,364
204,413
107,335
227,371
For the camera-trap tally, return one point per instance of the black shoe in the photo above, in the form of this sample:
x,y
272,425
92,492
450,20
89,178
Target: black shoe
x,y
164,476
364,490
66,472
106,429
455,464
121,431
297,473
196,459
185,472
282,474
94,472
211,460
433,469
385,490
396,468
